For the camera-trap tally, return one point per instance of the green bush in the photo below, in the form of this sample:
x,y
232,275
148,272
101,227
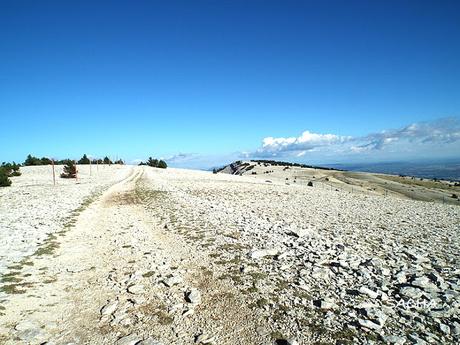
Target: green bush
x,y
162,164
4,180
70,170
11,169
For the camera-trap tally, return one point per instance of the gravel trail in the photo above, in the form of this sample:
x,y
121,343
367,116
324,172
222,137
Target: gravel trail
x,y
187,257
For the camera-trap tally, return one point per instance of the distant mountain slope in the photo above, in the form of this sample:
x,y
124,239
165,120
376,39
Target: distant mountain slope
x,y
300,175
448,170
241,167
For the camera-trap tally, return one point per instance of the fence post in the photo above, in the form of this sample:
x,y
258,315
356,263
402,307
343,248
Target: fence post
x,y
54,174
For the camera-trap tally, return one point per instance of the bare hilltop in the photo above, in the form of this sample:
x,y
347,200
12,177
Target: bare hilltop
x,y
257,253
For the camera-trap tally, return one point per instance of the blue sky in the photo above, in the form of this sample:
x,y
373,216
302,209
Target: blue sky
x,y
203,82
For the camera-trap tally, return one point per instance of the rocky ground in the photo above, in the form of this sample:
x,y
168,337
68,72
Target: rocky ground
x,y
33,208
187,257
405,187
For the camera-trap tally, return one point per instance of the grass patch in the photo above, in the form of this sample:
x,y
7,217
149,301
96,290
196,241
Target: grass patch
x,y
262,302
48,248
277,335
50,280
163,318
13,289
10,278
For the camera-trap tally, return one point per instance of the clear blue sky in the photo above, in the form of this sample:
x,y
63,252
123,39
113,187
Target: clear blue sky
x,y
212,78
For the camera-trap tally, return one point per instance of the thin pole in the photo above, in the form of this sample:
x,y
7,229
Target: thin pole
x,y
76,171
90,167
54,174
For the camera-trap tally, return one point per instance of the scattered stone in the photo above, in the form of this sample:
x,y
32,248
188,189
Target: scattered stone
x,y
286,342
136,289
366,291
411,292
28,331
204,339
455,328
369,324
131,339
424,283
174,280
444,328
416,340
326,303
193,296
109,308
260,253
188,312
300,232
394,339
150,341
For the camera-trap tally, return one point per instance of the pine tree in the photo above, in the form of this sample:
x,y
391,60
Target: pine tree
x,y
162,164
152,162
107,160
4,180
84,160
45,161
31,160
70,170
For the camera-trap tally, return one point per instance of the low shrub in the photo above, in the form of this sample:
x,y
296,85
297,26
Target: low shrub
x,y
4,180
70,170
11,169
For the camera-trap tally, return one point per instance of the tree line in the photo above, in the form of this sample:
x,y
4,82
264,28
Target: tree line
x,y
155,163
31,160
8,170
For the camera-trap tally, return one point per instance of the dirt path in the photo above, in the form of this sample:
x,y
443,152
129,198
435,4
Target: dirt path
x,y
120,274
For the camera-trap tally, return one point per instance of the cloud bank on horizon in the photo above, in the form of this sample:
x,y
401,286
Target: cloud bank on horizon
x,y
443,133
420,140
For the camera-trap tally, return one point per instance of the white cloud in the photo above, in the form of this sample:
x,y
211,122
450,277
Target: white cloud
x,y
421,140
443,131
307,141
440,132
181,157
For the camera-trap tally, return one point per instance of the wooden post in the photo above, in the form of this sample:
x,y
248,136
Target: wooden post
x,y
54,174
76,171
90,167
